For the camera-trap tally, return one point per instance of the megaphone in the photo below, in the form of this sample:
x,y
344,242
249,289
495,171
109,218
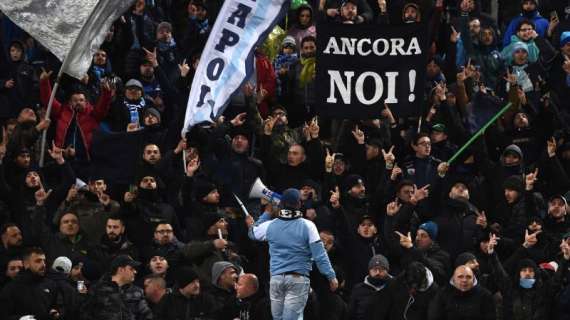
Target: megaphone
x,y
259,190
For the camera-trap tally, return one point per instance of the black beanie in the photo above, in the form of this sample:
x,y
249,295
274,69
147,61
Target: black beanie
x,y
514,183
202,188
463,258
185,275
527,263
211,218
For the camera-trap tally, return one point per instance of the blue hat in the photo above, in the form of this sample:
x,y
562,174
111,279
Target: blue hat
x,y
564,38
430,227
291,199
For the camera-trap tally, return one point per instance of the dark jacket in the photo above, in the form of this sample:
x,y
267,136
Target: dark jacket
x,y
363,297
28,294
450,303
108,301
104,252
174,306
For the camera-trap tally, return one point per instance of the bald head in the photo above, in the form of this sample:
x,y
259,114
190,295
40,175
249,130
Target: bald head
x,y
247,285
463,278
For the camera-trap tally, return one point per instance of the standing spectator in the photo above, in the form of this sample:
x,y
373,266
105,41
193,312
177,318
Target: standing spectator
x,y
115,296
529,10
373,287
250,300
291,254
304,25
112,244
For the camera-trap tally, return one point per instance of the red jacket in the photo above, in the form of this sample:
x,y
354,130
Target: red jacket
x,y
266,79
87,120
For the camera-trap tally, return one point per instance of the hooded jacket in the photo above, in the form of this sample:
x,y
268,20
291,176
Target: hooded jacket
x,y
451,303
540,23
363,296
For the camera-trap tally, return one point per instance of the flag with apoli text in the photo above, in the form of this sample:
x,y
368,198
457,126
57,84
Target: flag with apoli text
x,y
227,60
71,29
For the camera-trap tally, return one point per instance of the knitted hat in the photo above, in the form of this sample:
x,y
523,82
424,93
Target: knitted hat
x,y
291,199
212,218
202,188
527,263
430,227
379,260
558,196
463,258
152,111
564,38
514,183
164,25
289,41
184,276
439,127
62,264
218,268
520,46
242,130
352,180
134,83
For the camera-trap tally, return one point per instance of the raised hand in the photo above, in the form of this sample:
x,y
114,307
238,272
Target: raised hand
x,y
3,143
41,196
335,198
45,74
358,135
181,146
261,94
184,69
493,241
389,157
396,171
481,219
104,199
71,193
192,166
530,239
551,147
393,208
510,78
239,119
565,248
56,153
151,56
405,240
442,169
314,128
129,197
421,193
268,125
530,179
329,161
455,36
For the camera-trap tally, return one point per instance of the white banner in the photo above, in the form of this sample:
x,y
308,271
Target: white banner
x,y
227,60
71,29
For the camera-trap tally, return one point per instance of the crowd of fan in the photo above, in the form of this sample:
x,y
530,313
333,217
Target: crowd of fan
x,y
410,236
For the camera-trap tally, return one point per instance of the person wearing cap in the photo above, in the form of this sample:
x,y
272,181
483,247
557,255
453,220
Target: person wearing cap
x,y
442,147
76,119
556,224
167,51
278,136
529,11
373,286
283,62
129,108
115,296
201,198
59,274
407,296
31,292
294,244
92,204
143,209
350,201
224,279
187,299
357,11
199,27
304,24
461,298
314,208
425,250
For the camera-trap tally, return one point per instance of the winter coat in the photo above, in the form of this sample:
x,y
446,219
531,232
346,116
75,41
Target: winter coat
x,y
106,250
87,120
107,301
175,306
363,297
450,303
540,25
24,92
28,294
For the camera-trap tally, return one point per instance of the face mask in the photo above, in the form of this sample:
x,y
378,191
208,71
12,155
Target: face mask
x,y
377,282
527,283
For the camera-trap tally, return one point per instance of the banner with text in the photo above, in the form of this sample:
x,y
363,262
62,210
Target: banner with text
x,y
361,67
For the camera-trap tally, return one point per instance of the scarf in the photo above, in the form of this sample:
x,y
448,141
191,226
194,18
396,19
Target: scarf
x,y
308,70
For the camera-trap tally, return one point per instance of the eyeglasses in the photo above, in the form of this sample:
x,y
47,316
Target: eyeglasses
x,y
526,29
167,231
424,144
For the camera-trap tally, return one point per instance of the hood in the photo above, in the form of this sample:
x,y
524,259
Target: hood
x,y
513,148
429,281
217,270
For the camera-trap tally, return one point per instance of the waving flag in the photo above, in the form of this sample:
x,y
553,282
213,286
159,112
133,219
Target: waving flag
x,y
227,59
71,29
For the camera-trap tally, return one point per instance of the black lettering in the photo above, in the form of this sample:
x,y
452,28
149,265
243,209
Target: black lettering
x,y
229,39
204,90
240,14
214,69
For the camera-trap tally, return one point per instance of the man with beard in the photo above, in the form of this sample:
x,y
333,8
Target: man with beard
x,y
112,244
12,241
92,205
529,10
352,203
130,108
373,287
556,224
425,250
115,296
164,245
278,136
77,118
31,293
462,299
144,209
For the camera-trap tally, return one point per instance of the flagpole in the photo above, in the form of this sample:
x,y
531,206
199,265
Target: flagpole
x,y
48,112
478,133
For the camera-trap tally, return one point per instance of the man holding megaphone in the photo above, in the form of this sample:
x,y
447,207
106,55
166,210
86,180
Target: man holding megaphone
x,y
294,243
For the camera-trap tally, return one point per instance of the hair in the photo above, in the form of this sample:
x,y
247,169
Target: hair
x,y
116,217
327,232
28,252
6,226
418,137
156,279
308,39
523,22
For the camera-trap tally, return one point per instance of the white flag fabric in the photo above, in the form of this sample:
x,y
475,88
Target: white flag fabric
x,y
71,29
227,60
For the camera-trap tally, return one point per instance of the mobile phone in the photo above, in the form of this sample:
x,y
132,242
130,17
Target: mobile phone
x,y
553,15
